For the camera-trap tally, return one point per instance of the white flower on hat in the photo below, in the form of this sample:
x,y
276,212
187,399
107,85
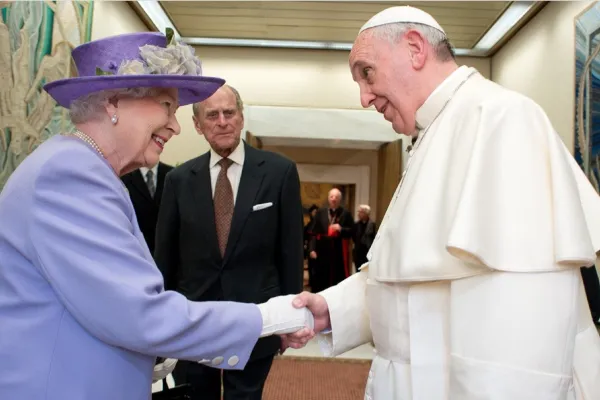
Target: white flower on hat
x,y
134,67
177,59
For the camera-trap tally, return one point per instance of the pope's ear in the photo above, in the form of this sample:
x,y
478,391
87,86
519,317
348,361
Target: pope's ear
x,y
417,48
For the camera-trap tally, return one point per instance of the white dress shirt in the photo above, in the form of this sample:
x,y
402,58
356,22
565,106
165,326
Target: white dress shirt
x,y
233,173
144,172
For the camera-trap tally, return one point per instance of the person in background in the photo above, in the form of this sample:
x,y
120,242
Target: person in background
x,y
308,228
145,186
230,229
83,310
473,287
364,234
330,242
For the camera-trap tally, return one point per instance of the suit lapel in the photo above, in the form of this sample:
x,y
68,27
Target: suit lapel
x,y
139,183
250,181
202,194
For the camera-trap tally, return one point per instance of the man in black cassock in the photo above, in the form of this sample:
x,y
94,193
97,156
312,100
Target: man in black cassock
x,y
330,243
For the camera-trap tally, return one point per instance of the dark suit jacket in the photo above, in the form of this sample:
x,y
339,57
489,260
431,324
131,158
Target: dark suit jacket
x,y
146,207
263,257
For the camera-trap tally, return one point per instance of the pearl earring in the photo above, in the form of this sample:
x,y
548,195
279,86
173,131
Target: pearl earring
x,y
114,119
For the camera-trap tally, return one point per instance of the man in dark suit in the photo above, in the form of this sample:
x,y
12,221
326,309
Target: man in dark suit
x,y
145,186
230,228
364,235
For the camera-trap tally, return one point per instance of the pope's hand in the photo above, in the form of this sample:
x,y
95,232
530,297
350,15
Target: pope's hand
x,y
320,311
163,369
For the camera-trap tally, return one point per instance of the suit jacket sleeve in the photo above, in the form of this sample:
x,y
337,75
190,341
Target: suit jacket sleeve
x,y
82,243
290,252
166,246
369,235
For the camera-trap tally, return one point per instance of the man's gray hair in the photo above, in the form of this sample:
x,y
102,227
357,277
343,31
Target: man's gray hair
x,y
91,107
238,102
437,39
365,208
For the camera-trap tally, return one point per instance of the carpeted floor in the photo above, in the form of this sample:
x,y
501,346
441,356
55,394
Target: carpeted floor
x,y
304,378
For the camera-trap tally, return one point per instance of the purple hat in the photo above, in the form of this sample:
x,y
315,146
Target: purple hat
x,y
135,60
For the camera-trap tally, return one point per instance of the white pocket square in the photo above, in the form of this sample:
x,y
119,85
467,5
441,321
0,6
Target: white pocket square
x,y
262,206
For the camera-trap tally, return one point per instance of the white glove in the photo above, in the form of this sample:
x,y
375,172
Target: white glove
x,y
163,369
281,317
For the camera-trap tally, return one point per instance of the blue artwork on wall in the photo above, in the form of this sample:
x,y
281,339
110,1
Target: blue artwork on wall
x,y
587,93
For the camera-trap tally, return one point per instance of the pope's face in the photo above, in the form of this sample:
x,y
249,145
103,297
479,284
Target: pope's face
x,y
385,76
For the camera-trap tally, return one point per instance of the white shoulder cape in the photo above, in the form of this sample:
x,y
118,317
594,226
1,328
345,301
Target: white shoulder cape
x,y
491,186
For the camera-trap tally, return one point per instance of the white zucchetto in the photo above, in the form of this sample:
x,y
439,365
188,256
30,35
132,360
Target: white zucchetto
x,y
402,14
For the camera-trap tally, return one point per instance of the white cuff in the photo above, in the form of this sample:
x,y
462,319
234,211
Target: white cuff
x,y
281,317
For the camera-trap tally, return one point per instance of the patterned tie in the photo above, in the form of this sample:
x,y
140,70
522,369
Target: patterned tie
x,y
223,204
150,182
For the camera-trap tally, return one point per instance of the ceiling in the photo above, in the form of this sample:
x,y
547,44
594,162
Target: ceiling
x,y
267,23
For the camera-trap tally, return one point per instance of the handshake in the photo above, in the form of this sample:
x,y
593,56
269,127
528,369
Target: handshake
x,y
295,318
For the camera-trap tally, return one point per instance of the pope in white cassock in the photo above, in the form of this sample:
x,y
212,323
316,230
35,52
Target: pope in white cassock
x,y
473,289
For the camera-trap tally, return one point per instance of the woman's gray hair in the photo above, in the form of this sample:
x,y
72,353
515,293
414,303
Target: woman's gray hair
x,y
91,107
437,39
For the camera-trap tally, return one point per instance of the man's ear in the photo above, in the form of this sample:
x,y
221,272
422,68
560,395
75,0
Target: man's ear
x,y
197,125
417,48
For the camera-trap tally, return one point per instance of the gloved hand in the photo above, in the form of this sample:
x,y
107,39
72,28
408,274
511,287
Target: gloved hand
x,y
163,369
281,317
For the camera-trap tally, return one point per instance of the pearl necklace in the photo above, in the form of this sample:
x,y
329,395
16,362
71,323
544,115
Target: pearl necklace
x,y
88,140
95,146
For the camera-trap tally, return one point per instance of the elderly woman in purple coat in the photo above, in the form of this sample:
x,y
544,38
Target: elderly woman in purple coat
x,y
83,312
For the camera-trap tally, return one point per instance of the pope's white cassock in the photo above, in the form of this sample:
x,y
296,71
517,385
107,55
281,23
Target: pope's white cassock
x,y
473,290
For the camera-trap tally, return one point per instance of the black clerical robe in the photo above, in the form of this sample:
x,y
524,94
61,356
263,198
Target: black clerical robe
x,y
333,263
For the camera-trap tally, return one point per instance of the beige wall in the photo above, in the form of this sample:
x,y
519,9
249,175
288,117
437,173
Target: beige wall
x,y
292,77
114,18
540,63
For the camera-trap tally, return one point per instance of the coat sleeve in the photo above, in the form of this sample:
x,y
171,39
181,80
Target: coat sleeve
x,y
166,246
290,250
348,314
83,242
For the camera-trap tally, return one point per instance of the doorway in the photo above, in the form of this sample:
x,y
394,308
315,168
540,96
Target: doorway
x,y
314,194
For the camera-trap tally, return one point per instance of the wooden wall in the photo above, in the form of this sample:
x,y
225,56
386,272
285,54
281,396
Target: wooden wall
x,y
390,171
253,140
